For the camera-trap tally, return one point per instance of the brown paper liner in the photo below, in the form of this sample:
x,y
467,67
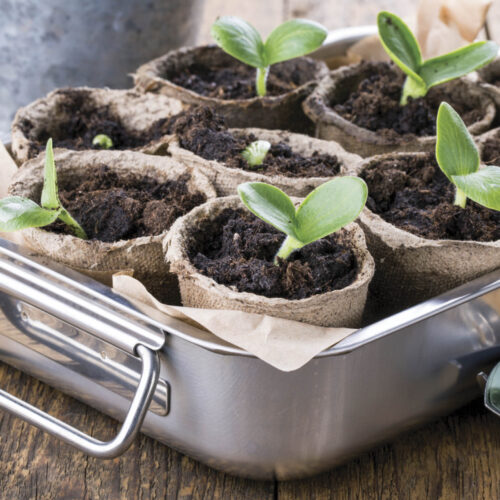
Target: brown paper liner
x,y
142,255
287,345
339,308
226,179
336,87
136,111
272,112
410,269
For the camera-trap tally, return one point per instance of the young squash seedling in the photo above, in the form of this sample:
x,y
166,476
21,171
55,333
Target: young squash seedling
x,y
18,213
255,153
102,141
458,158
241,40
402,47
327,209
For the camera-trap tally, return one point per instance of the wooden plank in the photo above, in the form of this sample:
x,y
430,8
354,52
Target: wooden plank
x,y
454,458
34,465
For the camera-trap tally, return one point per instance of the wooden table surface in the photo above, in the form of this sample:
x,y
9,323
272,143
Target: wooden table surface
x,y
457,457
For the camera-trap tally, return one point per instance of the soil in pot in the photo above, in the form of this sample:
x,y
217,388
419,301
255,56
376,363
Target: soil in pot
x,y
110,207
203,132
237,249
413,194
375,105
237,80
86,119
490,150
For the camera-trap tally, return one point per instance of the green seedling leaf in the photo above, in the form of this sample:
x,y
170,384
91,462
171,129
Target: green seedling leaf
x,y
460,62
456,152
482,186
50,198
21,213
402,47
255,153
458,158
18,213
293,38
102,141
241,40
327,209
330,207
269,204
399,43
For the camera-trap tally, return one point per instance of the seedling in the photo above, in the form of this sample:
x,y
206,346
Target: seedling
x,y
402,47
458,158
102,141
255,153
327,209
241,40
18,213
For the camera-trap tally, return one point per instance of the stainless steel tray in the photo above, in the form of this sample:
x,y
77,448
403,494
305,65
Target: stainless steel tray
x,y
222,405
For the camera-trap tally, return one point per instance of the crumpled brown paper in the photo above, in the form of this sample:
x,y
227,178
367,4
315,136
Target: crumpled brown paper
x,y
440,26
286,345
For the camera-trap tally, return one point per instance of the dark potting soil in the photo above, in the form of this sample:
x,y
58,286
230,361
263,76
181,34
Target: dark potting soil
x,y
414,195
110,207
203,132
237,80
85,120
490,153
237,249
374,105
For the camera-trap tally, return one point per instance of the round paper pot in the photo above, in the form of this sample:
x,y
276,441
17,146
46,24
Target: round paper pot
x,y
47,117
226,179
336,87
272,112
339,308
411,269
142,255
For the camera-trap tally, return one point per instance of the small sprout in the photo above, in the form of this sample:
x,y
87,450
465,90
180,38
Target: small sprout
x,y
458,158
402,47
255,153
241,40
18,213
102,141
327,209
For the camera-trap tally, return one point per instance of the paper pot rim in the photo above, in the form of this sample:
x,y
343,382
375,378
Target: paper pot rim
x,y
146,78
136,110
226,178
316,106
399,238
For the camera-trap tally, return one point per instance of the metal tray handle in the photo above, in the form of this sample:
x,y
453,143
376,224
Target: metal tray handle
x,y
81,441
492,391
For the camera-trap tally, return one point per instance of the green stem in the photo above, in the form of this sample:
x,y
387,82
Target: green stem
x,y
75,227
412,88
261,79
288,246
460,198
